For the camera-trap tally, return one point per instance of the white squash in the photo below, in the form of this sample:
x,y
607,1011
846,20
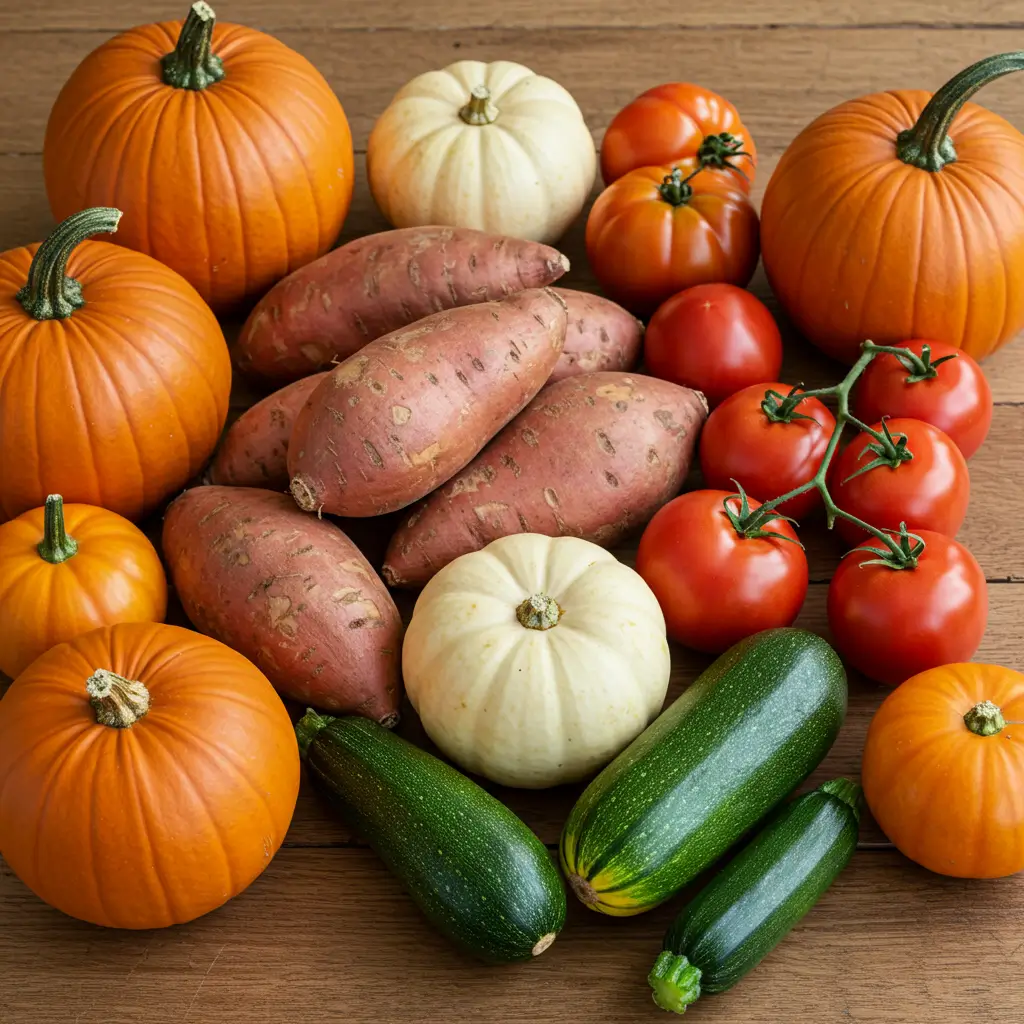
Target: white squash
x,y
534,661
487,146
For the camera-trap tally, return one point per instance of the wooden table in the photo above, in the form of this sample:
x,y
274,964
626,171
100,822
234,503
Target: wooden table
x,y
327,934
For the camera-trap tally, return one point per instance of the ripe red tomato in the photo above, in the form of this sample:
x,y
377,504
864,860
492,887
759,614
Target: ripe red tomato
x,y
928,492
893,623
667,125
957,399
715,338
714,585
739,442
649,235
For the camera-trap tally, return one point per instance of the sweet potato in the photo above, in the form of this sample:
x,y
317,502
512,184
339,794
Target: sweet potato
x,y
331,308
409,410
601,336
593,456
290,592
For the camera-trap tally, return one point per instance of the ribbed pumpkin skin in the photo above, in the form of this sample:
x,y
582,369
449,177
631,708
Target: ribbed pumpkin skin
x,y
156,824
234,186
858,244
119,404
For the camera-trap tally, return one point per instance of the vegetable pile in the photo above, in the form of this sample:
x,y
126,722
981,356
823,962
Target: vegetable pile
x,y
497,434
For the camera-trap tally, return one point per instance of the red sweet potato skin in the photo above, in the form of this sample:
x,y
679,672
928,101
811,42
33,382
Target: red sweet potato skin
x,y
254,451
592,456
408,411
290,592
329,309
601,336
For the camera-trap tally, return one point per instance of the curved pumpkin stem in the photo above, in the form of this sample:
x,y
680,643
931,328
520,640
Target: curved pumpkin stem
x,y
49,294
192,65
118,702
927,145
56,546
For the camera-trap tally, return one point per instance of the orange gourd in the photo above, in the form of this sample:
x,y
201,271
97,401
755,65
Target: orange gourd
x,y
115,374
65,570
943,770
228,152
148,774
901,215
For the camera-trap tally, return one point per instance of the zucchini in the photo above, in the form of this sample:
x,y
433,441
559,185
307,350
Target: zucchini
x,y
475,870
735,744
746,910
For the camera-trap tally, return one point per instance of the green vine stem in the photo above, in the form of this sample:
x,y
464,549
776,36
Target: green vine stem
x,y
49,294
720,150
927,145
56,546
479,110
675,189
191,64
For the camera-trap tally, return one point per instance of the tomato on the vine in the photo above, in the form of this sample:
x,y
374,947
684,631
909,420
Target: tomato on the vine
x,y
716,586
893,623
745,440
946,388
928,490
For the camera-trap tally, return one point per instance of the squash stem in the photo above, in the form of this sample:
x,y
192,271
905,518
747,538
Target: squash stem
x,y
850,793
49,294
191,64
539,612
309,727
118,702
479,110
927,145
675,981
985,719
56,546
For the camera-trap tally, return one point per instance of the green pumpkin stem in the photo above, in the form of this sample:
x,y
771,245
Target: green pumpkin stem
x,y
479,110
49,294
192,65
56,546
118,702
985,719
927,145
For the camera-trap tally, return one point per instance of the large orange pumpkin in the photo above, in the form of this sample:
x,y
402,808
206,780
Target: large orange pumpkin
x,y
148,774
228,152
115,374
943,770
901,215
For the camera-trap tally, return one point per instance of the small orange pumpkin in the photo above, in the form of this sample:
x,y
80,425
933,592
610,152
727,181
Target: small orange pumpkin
x,y
228,152
65,570
148,774
943,770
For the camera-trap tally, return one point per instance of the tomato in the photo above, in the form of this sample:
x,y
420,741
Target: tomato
x,y
893,623
739,442
649,235
957,399
928,492
714,585
667,125
715,338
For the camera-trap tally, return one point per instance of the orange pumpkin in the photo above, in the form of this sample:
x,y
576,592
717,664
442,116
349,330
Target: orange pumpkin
x,y
943,770
148,774
901,215
116,374
67,570
228,152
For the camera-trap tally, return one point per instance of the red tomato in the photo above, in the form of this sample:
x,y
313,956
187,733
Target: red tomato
x,y
715,338
957,400
929,492
739,442
893,623
667,125
714,585
649,236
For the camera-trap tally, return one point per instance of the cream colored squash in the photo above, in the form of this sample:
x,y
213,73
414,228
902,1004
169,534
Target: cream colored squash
x,y
534,661
487,146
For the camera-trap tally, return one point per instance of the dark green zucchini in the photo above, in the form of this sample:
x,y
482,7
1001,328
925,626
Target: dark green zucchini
x,y
747,909
476,871
735,744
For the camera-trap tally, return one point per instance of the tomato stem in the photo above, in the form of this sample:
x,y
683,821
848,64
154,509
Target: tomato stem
x,y
191,64
56,546
919,367
675,189
720,150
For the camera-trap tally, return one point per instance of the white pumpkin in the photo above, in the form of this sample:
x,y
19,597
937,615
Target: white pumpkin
x,y
534,661
487,146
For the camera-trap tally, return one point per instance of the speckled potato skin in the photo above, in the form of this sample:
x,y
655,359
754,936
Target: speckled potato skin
x,y
330,308
601,336
407,412
290,592
592,456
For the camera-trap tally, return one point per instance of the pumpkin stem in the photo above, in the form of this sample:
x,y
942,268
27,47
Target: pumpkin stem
x,y
927,145
118,702
675,981
191,65
49,294
676,189
479,110
539,612
308,727
985,719
56,546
